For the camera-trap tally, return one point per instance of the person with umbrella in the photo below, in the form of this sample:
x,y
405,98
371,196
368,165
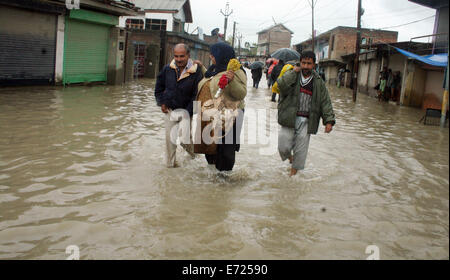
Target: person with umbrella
x,y
256,69
283,54
274,76
272,63
286,54
304,99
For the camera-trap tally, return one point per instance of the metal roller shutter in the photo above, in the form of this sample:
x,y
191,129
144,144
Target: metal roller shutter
x,y
86,52
27,46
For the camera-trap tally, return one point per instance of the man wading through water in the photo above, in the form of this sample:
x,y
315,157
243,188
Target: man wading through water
x,y
304,99
175,91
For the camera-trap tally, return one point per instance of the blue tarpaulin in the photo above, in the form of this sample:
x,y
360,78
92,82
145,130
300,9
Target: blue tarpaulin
x,y
439,60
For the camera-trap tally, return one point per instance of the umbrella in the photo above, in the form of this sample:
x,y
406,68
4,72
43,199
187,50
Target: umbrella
x,y
256,65
286,54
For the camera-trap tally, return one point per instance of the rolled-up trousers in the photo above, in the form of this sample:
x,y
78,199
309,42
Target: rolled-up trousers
x,y
294,141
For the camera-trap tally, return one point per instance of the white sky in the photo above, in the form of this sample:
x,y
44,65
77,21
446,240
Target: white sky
x,y
255,15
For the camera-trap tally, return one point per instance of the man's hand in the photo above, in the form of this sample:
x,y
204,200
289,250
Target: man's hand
x,y
164,109
297,69
230,75
328,128
198,62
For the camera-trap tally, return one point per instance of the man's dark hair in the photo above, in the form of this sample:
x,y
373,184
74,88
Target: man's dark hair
x,y
308,54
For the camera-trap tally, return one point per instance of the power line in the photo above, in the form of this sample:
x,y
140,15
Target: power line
x,y
374,16
408,22
334,11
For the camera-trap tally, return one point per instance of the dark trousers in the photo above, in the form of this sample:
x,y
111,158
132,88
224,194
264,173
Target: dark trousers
x,y
274,96
269,81
225,157
256,83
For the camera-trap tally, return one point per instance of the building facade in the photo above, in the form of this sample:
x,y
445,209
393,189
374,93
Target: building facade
x,y
155,30
330,46
58,44
273,38
156,15
440,31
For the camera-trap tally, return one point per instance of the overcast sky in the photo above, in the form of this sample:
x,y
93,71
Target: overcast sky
x,y
255,15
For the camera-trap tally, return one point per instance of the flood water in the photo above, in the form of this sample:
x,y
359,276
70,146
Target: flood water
x,y
84,166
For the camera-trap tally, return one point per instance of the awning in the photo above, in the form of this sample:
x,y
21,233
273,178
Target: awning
x,y
439,60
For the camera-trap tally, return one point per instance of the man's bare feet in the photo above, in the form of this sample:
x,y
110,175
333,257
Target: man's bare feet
x,y
293,172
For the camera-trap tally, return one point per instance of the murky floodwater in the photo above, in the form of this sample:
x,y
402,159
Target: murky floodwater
x,y
84,166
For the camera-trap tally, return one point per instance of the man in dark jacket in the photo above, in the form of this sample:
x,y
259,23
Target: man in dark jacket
x,y
175,91
256,76
274,76
304,99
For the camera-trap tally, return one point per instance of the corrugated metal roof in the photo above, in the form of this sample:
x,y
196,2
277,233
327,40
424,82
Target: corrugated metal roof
x,y
167,5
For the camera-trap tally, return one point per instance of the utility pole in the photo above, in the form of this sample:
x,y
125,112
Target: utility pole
x,y
239,45
356,63
234,32
226,14
312,4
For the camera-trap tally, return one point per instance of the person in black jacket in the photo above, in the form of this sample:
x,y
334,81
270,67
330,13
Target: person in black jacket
x,y
175,91
274,75
256,76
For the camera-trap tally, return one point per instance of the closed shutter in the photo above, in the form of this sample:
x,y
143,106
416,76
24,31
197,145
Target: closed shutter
x,y
27,46
86,52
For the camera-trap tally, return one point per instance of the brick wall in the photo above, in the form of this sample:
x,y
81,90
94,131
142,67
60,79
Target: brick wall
x,y
345,40
279,39
199,50
152,40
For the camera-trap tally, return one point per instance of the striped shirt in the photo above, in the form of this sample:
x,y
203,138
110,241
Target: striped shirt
x,y
306,91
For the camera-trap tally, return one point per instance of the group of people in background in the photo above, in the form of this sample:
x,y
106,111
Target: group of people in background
x,y
388,85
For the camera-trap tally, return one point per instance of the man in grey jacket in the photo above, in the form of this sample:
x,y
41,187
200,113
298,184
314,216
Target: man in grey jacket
x,y
304,99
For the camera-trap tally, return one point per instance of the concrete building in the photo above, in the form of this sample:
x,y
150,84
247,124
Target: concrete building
x,y
440,31
373,60
421,83
167,15
341,41
155,30
273,38
60,44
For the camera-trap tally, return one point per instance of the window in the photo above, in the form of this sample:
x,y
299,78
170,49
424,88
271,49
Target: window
x,y
134,24
176,26
156,24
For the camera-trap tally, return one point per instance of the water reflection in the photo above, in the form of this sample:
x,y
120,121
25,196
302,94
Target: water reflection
x,y
84,166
